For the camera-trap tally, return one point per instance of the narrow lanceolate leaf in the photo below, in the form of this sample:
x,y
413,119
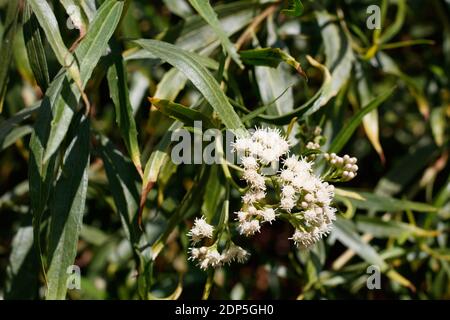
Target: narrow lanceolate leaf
x,y
270,57
338,50
203,7
6,46
67,208
123,179
76,15
181,113
375,202
199,76
118,89
345,232
370,121
35,48
49,24
319,99
40,172
95,44
345,134
88,53
384,229
22,271
14,135
159,156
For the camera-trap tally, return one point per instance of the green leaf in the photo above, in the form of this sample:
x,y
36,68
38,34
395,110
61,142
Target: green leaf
x,y
123,179
339,61
90,50
338,51
67,208
40,172
159,156
35,48
370,121
295,8
6,46
178,7
389,228
118,90
181,113
371,201
214,195
199,76
270,57
76,15
49,24
14,135
95,44
22,271
345,134
345,232
319,99
203,7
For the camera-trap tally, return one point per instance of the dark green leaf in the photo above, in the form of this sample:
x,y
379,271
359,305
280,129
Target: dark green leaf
x,y
67,209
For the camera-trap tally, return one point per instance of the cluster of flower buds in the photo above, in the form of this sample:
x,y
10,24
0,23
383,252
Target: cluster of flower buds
x,y
209,256
345,168
311,145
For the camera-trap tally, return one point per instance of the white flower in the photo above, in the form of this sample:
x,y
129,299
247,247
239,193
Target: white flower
x,y
268,155
249,228
329,214
298,166
325,228
235,253
287,203
267,214
242,145
287,191
303,239
250,163
253,196
256,148
324,193
287,175
242,216
310,216
304,181
254,179
200,230
214,258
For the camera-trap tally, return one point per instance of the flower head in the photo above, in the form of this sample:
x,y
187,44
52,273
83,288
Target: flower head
x,y
200,230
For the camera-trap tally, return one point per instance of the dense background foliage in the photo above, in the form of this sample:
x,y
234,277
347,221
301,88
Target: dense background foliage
x,y
83,151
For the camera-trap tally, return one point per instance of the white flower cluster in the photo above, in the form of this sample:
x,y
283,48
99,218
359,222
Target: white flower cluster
x,y
310,197
303,195
210,257
256,153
